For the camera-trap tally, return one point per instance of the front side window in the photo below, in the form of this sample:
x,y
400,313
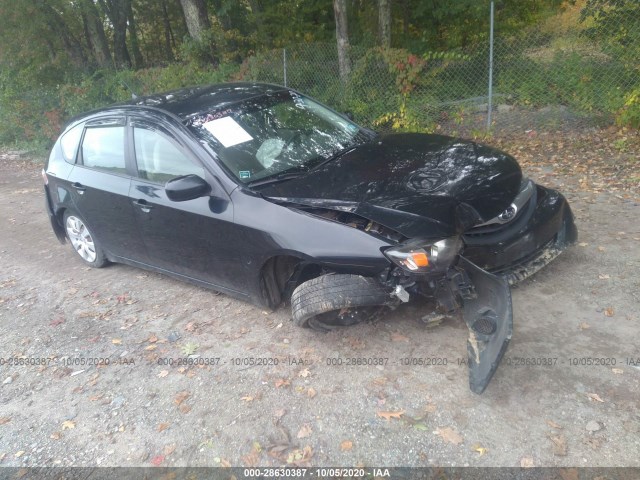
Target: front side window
x,y
159,159
103,149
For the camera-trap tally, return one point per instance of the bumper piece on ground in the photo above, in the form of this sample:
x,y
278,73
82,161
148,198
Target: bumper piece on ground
x,y
488,313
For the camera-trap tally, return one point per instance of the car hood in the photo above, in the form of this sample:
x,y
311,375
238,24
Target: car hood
x,y
419,185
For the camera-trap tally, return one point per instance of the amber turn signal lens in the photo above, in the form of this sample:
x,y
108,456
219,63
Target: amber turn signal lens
x,y
420,259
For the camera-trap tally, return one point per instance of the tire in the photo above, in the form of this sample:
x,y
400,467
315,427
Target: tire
x,y
332,301
83,241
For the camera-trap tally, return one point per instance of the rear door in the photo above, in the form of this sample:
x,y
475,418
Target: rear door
x,y
99,185
195,238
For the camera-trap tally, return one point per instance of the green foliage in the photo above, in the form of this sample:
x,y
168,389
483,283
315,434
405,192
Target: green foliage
x,y
629,114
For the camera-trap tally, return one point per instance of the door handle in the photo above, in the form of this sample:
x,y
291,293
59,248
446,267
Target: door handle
x,y
79,187
144,206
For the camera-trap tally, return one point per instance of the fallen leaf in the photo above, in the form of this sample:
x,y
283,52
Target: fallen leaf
x,y
304,373
162,427
583,244
163,373
421,426
559,445
480,449
181,397
279,413
526,462
430,408
68,425
150,347
604,276
20,453
247,398
311,392
55,436
157,460
4,420
609,311
553,424
282,382
569,473
617,371
184,408
584,326
152,339
595,397
116,341
189,348
389,415
346,445
169,449
601,249
304,431
398,337
449,435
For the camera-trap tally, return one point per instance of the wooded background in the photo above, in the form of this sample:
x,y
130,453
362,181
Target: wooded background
x,y
418,65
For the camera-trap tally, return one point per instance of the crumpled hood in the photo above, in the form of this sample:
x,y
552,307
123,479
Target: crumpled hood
x,y
419,185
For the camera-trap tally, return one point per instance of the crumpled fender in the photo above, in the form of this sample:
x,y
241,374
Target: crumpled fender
x,y
488,313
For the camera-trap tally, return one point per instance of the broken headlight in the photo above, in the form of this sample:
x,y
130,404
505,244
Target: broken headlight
x,y
425,257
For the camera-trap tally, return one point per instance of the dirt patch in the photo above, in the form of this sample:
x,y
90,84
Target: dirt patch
x,y
124,368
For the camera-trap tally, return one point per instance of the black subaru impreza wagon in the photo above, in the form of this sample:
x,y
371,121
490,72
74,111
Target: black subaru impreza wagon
x,y
264,194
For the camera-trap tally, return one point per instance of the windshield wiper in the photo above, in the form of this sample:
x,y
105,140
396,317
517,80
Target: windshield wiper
x,y
333,157
281,177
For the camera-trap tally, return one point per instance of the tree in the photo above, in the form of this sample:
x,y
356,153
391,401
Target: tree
x,y
342,37
94,32
118,12
384,23
196,17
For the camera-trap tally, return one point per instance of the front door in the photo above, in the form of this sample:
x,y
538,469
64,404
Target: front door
x,y
192,238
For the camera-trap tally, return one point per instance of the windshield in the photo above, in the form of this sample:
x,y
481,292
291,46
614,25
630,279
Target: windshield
x,y
274,135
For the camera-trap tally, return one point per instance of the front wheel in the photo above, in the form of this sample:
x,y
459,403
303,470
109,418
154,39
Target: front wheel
x,y
83,241
331,301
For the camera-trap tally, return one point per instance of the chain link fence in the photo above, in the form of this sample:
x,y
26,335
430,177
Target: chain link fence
x,y
544,78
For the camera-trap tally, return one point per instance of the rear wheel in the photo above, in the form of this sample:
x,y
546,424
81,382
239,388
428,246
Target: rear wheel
x,y
332,301
83,241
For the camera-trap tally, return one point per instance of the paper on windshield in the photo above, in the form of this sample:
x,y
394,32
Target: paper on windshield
x,y
227,131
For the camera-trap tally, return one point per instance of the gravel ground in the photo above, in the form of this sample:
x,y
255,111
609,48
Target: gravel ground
x,y
61,409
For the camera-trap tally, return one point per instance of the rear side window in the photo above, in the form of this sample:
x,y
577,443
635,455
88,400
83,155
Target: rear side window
x,y
103,148
69,143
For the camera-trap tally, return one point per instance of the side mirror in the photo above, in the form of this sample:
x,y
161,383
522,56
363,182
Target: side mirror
x,y
349,115
185,188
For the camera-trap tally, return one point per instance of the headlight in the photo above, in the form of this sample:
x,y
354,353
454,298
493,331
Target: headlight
x,y
424,257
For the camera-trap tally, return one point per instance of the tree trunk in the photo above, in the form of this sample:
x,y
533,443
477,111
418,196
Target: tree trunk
x,y
94,31
342,38
133,37
117,11
168,34
384,23
196,17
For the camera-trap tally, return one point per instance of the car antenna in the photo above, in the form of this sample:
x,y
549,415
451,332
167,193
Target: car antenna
x,y
133,94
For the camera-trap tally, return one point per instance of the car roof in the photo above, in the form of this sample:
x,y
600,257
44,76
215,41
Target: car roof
x,y
186,102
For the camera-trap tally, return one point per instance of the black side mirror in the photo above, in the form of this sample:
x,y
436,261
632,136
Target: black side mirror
x,y
188,187
349,115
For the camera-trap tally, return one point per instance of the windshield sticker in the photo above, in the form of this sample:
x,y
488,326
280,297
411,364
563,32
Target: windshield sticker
x,y
244,174
227,131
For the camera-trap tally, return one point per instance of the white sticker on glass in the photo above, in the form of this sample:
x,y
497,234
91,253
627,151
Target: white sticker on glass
x,y
227,131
